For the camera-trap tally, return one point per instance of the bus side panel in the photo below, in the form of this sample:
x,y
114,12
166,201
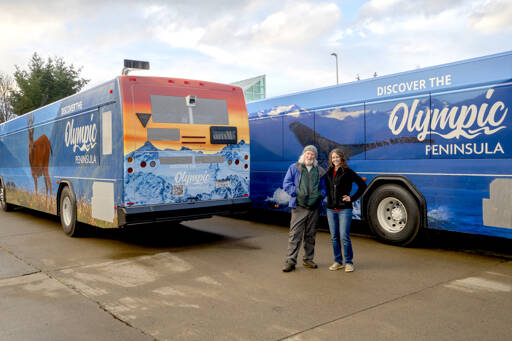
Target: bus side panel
x,y
341,127
478,146
387,129
267,163
26,152
80,157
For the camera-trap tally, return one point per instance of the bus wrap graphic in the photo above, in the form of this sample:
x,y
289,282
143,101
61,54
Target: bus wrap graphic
x,y
441,133
119,154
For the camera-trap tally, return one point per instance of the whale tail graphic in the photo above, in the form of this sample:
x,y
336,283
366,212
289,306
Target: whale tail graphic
x,y
306,136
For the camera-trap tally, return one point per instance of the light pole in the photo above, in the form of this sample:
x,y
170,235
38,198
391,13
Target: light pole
x,y
336,56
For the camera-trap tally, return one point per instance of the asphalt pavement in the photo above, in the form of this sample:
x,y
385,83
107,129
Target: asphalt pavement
x,y
221,279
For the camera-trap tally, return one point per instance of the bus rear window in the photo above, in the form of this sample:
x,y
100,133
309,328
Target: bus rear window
x,y
174,109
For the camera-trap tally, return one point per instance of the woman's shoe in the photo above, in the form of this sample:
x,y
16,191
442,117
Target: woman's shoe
x,y
336,266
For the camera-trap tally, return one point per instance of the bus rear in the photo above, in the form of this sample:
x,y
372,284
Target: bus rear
x,y
186,149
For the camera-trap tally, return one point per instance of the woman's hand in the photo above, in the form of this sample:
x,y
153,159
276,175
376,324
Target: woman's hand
x,y
346,198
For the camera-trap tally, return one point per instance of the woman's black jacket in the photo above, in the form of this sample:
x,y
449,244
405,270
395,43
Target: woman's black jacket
x,y
337,187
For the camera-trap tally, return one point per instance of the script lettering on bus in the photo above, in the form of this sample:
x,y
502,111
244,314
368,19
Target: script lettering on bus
x,y
197,179
82,137
468,121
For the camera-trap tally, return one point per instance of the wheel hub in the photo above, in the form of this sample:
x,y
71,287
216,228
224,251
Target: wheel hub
x,y
392,215
66,210
397,214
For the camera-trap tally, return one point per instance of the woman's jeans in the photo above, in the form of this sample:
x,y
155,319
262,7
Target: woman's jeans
x,y
339,226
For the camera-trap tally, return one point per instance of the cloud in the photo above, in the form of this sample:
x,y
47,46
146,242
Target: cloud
x,y
280,40
391,36
492,16
225,40
398,9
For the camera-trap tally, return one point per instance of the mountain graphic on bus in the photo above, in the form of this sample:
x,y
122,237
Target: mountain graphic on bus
x,y
206,181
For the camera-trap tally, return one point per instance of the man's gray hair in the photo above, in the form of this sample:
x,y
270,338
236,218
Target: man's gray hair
x,y
301,160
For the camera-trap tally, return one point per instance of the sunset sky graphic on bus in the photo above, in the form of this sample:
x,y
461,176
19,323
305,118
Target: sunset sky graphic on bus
x,y
137,134
182,163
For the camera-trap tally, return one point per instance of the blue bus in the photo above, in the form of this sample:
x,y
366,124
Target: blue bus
x,y
132,150
435,145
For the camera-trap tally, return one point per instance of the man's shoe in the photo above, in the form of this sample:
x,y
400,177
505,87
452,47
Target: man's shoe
x,y
310,264
288,268
336,266
349,267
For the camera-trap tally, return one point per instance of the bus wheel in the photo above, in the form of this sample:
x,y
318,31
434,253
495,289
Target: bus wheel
x,y
68,212
394,215
3,201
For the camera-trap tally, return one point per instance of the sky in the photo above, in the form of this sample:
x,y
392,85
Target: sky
x,y
226,41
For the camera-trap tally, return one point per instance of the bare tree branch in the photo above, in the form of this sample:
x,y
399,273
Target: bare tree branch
x,y
6,88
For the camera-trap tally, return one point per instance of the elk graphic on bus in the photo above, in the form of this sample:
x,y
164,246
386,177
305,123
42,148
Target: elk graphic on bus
x,y
39,156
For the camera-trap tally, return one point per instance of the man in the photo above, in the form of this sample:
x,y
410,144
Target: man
x,y
302,183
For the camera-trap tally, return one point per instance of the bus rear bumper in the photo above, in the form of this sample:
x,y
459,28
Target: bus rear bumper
x,y
182,211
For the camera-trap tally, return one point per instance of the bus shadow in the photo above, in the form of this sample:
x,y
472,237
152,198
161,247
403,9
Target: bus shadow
x,y
431,239
454,241
161,235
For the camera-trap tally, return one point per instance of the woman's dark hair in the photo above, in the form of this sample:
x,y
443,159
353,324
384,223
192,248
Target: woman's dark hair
x,y
342,157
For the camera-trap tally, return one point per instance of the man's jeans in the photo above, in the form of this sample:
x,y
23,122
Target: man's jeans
x,y
339,226
303,222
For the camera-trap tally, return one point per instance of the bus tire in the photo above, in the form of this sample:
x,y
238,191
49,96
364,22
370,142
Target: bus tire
x,y
68,213
3,199
393,215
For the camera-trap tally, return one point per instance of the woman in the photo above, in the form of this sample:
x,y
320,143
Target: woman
x,y
338,181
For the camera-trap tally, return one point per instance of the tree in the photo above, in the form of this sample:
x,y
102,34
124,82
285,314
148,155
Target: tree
x,y
44,83
6,87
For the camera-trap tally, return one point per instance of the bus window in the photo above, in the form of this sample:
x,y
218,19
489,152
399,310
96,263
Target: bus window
x,y
169,109
298,132
265,148
329,123
398,129
471,124
175,109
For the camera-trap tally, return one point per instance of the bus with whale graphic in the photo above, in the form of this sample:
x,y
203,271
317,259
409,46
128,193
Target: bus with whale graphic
x,y
132,150
435,145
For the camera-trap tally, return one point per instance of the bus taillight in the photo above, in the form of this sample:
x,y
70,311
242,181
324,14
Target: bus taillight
x,y
143,164
130,170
